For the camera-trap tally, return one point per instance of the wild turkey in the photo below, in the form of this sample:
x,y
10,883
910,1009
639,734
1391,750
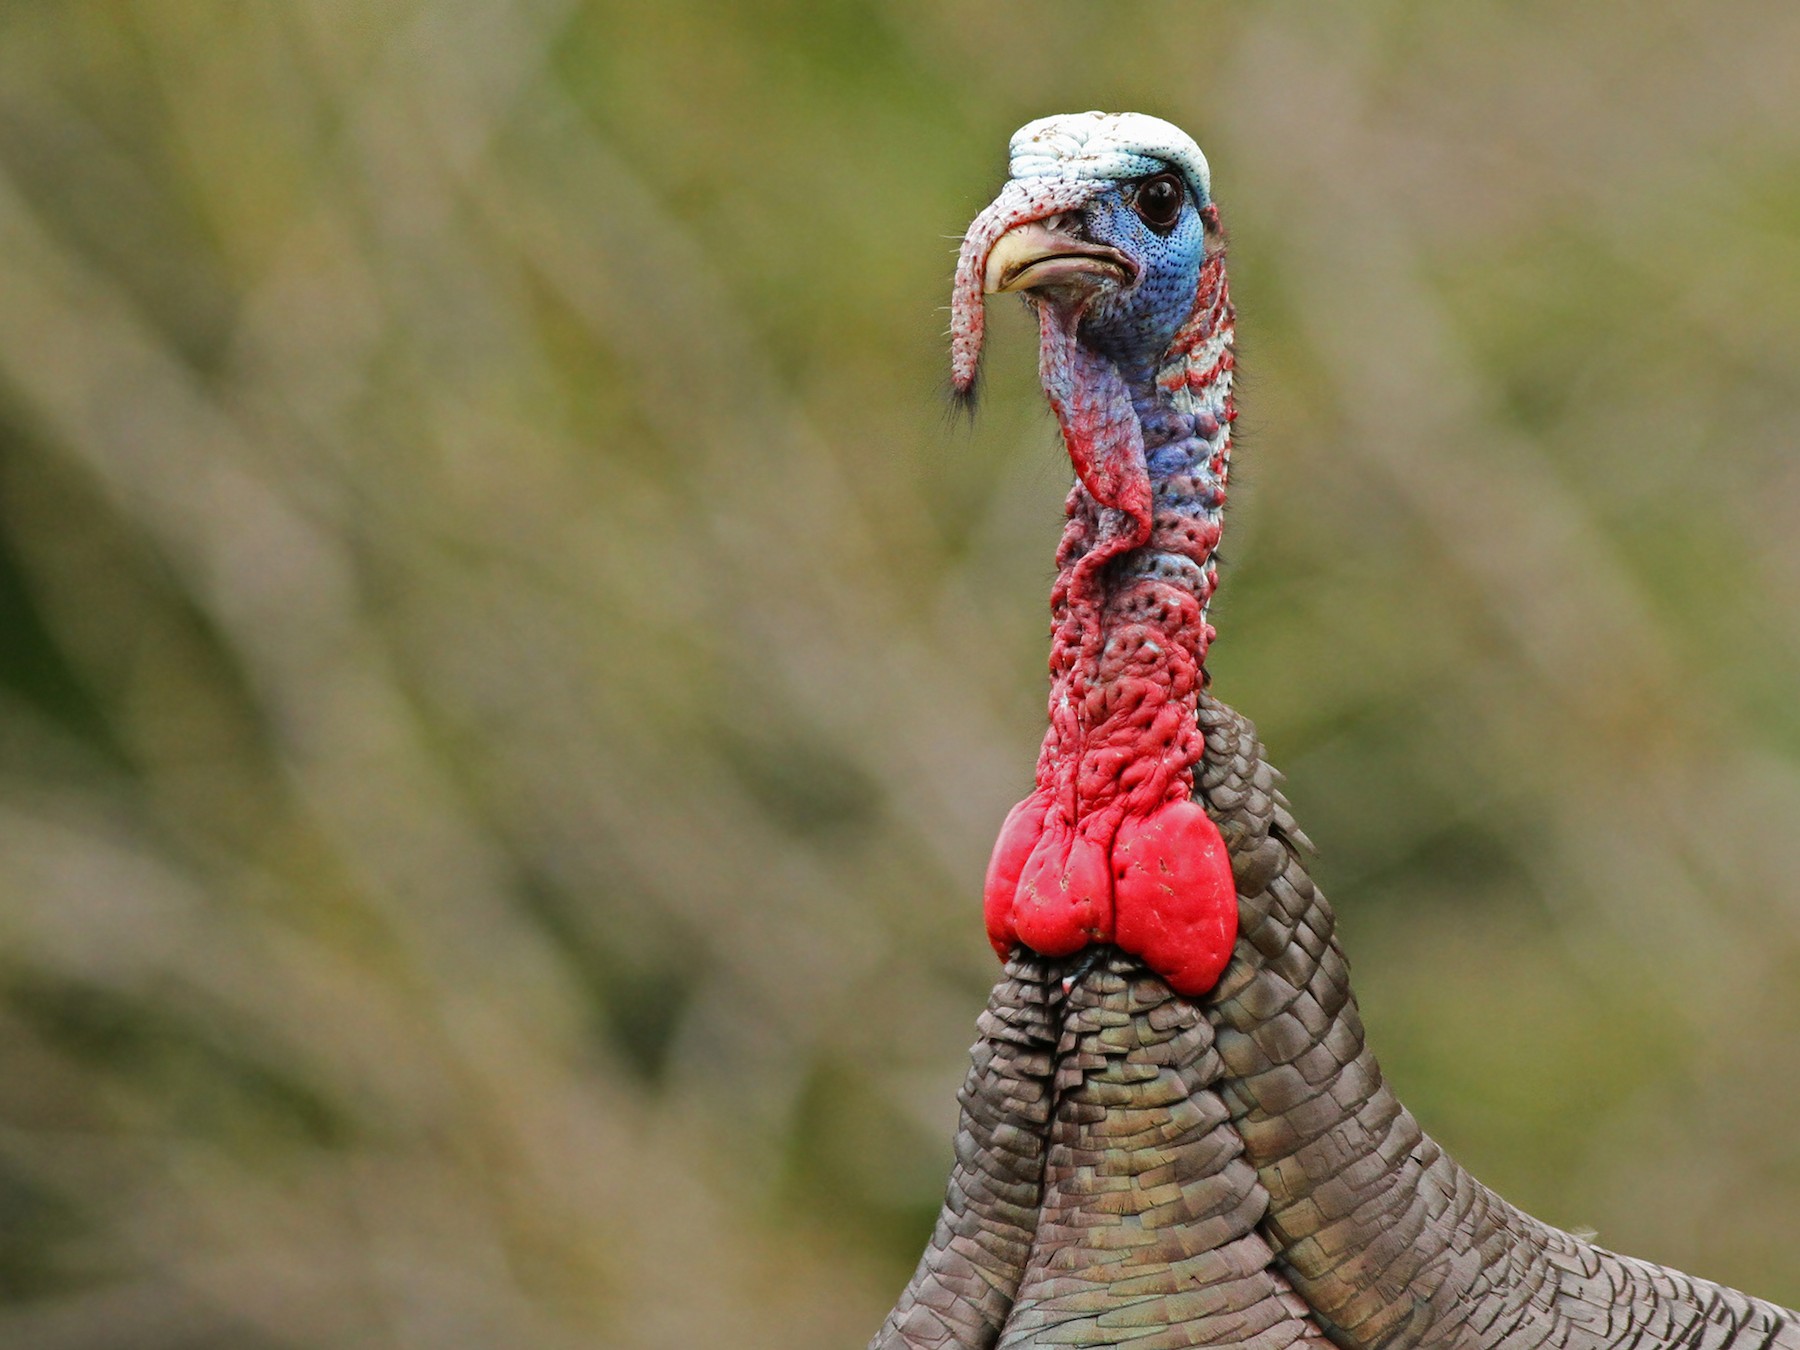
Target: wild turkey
x,y
1172,1132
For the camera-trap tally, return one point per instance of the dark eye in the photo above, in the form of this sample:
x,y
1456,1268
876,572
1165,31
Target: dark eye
x,y
1158,202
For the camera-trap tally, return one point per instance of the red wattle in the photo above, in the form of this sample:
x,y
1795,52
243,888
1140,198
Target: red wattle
x,y
1064,900
1048,886
1018,836
1163,891
1175,898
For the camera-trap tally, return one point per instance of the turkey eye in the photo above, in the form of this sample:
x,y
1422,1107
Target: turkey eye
x,y
1158,202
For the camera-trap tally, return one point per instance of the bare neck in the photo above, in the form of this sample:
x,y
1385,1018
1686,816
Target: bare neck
x,y
1151,445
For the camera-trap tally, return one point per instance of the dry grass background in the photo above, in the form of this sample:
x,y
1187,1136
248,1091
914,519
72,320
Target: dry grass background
x,y
508,682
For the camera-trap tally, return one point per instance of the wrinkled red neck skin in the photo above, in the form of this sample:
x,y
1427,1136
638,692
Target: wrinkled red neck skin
x,y
1110,847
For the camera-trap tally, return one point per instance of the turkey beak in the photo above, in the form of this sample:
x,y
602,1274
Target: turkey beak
x,y
1041,254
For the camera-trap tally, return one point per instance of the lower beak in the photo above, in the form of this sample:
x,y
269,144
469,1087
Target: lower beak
x,y
1037,255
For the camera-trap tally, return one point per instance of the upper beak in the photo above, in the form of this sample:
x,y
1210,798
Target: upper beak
x,y
1015,243
1040,254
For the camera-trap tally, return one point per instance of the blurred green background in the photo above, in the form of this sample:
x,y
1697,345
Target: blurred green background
x,y
508,678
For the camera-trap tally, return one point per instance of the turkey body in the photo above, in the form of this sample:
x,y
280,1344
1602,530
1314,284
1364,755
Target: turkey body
x,y
1173,1132
1136,1168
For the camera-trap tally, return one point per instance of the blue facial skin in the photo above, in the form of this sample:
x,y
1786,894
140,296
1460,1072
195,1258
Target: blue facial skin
x,y
1134,326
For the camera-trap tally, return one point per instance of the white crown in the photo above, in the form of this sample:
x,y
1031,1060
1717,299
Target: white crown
x,y
1108,145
